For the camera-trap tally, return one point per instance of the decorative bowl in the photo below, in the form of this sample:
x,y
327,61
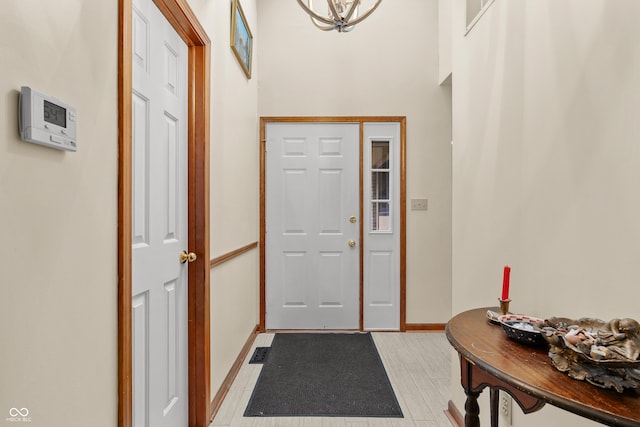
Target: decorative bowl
x,y
523,329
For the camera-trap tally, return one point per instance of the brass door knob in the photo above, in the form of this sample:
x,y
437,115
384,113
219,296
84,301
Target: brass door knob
x,y
352,243
352,219
187,257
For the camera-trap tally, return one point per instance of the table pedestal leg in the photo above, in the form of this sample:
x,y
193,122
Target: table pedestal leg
x,y
494,402
472,410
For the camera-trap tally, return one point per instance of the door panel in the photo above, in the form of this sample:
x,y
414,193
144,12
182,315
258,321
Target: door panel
x,y
312,274
140,204
330,218
140,356
159,223
381,277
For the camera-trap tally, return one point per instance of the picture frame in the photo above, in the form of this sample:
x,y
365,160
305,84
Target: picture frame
x,y
241,38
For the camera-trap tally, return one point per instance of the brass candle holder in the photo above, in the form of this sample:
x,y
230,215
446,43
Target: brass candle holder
x,y
504,305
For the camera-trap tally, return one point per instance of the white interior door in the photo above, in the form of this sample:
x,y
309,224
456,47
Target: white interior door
x,y
312,191
159,223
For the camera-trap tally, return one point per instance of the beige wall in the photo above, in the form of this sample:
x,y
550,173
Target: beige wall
x,y
234,187
546,162
58,311
387,66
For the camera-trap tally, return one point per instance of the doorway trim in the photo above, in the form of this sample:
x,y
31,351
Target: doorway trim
x,y
184,21
361,120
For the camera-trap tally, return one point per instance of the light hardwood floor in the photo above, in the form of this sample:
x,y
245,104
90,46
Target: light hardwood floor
x,y
418,365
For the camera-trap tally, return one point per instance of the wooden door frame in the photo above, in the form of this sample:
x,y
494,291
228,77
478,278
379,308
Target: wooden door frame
x,y
361,120
184,21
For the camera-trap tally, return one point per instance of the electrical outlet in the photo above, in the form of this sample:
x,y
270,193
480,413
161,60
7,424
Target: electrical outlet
x,y
418,204
506,403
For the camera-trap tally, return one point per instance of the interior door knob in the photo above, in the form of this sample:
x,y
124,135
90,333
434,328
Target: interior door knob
x,y
352,243
187,257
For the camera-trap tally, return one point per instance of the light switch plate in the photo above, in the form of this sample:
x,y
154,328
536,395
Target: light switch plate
x,y
418,204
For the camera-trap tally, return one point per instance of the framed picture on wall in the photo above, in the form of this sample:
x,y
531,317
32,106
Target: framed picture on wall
x,y
241,38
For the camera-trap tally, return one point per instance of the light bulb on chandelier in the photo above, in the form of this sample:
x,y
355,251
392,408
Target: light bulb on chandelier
x,y
342,15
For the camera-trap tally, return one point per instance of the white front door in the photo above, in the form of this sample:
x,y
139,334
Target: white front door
x,y
312,193
159,223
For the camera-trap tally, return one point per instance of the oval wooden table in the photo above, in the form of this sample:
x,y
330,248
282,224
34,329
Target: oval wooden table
x,y
488,358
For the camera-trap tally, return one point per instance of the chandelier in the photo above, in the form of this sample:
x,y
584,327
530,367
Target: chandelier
x,y
342,15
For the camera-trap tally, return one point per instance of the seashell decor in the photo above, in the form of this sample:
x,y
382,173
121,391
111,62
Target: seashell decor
x,y
605,354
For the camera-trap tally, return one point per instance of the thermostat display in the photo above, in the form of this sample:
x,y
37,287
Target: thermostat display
x,y
55,114
46,121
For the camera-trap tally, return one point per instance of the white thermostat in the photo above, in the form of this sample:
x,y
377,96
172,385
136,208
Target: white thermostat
x,y
46,121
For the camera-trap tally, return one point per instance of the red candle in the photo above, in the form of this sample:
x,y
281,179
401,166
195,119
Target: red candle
x,y
505,283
